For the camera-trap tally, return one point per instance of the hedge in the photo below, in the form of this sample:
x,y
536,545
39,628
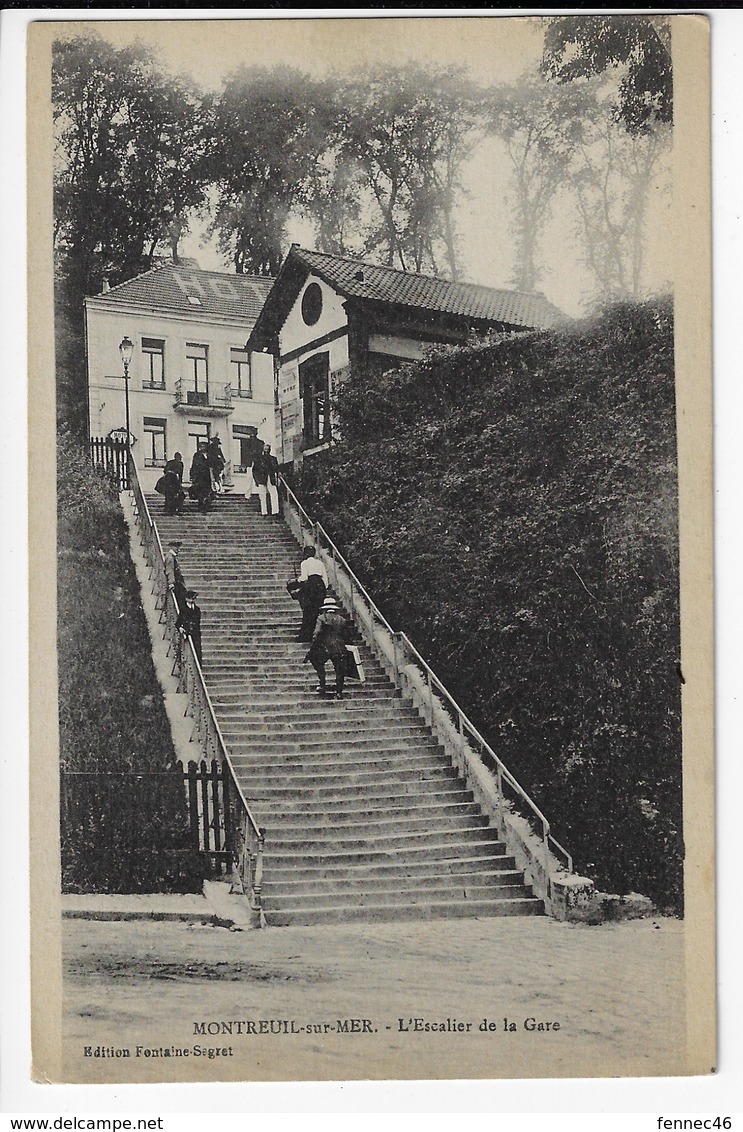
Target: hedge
x,y
513,507
111,712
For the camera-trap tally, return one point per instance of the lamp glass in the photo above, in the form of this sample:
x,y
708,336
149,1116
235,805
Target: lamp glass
x,y
126,349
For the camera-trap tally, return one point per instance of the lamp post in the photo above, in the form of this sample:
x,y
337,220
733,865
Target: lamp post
x,y
126,349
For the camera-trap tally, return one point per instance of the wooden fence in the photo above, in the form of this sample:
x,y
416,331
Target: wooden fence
x,y
127,831
108,455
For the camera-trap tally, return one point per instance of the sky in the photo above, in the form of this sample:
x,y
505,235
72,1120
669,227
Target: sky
x,y
494,48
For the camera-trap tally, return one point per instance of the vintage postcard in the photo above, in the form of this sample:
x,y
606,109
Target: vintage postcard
x,y
372,714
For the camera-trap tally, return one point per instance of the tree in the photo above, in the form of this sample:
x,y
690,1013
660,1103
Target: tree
x,y
611,179
126,174
269,131
127,157
410,130
581,47
335,204
537,123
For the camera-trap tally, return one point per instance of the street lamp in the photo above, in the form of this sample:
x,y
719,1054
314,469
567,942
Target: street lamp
x,y
126,349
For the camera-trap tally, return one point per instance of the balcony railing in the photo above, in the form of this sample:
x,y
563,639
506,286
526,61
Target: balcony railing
x,y
217,398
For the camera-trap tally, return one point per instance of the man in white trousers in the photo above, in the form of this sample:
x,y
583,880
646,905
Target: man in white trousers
x,y
266,479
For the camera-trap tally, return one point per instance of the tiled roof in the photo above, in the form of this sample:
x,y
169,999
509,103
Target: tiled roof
x,y
173,286
360,280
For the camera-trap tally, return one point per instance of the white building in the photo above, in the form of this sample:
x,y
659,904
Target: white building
x,y
189,378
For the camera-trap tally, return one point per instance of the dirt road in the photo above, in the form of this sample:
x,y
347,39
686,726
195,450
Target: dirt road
x,y
147,1001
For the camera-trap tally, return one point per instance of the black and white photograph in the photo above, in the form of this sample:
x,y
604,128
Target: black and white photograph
x,y
373,695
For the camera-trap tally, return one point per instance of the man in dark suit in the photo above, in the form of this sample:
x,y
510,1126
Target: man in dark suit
x,y
266,478
189,622
172,489
174,574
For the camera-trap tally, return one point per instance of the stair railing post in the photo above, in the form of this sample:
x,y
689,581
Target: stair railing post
x,y
257,884
430,695
499,796
460,726
335,569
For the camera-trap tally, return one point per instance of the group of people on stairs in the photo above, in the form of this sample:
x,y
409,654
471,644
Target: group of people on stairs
x,y
324,627
206,476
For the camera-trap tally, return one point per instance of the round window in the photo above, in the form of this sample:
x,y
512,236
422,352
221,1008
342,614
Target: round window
x,y
312,304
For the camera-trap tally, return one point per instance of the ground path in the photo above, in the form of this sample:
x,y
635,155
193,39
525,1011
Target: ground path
x,y
615,989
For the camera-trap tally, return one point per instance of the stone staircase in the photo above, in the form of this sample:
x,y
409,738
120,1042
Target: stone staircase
x,y
365,816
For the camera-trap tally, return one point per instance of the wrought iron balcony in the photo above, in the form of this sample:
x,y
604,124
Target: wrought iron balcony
x,y
215,401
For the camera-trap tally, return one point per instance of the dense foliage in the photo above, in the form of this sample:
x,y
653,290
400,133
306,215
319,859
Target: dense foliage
x,y
128,151
639,47
111,713
513,508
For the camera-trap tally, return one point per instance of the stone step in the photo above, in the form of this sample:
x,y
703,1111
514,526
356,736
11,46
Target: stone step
x,y
426,796
484,880
356,740
258,783
254,769
281,901
308,865
415,810
358,754
314,710
300,687
372,829
389,867
287,687
299,799
387,913
380,843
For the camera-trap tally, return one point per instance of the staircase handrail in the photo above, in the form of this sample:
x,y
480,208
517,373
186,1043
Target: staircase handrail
x,y
502,771
336,555
248,854
487,754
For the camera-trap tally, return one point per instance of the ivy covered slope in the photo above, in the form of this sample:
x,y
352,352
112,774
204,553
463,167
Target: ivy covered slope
x,y
120,834
513,508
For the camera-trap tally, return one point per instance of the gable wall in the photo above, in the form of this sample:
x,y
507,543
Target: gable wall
x,y
297,343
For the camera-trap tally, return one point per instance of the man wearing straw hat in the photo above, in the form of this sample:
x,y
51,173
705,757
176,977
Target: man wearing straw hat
x,y
329,644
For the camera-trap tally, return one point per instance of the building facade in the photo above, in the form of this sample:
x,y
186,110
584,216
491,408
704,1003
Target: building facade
x,y
190,377
326,314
